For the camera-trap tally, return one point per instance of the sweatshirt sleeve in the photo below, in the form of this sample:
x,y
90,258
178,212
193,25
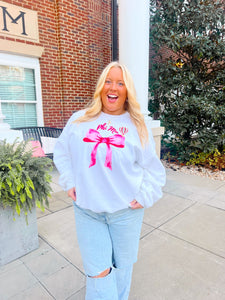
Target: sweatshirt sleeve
x,y
62,157
154,176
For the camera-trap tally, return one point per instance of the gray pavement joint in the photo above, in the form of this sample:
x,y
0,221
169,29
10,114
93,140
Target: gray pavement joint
x,y
190,243
39,281
77,268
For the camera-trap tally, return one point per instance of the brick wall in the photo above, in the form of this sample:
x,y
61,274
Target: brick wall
x,y
76,36
85,35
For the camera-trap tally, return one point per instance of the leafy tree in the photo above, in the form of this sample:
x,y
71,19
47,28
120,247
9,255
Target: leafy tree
x,y
187,74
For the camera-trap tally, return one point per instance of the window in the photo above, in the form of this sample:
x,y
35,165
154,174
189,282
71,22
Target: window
x,y
20,91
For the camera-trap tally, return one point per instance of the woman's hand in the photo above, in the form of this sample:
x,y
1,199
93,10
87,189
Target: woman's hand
x,y
72,193
135,205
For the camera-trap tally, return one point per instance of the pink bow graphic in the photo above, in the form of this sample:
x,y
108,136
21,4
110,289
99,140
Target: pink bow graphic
x,y
116,140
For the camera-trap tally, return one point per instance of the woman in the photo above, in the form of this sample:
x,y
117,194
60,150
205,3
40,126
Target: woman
x,y
108,165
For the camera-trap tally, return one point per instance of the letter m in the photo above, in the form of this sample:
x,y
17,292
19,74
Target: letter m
x,y
21,15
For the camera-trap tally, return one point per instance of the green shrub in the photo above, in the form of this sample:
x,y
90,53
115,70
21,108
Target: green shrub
x,y
24,179
187,74
213,160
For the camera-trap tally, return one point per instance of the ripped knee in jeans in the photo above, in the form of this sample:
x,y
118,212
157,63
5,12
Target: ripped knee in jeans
x,y
102,274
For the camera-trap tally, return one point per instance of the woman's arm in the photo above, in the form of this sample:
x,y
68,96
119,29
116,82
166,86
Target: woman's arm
x,y
154,176
62,158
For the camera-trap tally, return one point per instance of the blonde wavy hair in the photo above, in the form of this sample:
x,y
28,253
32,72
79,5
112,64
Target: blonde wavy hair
x,y
94,109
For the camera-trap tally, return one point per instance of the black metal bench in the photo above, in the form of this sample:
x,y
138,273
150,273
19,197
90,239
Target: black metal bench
x,y
35,133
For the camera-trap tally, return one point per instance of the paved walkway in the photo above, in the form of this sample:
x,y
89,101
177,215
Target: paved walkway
x,y
181,256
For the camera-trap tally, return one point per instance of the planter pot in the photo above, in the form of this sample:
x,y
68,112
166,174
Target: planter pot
x,y
16,237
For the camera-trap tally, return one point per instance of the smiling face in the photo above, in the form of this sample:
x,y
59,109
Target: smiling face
x,y
114,92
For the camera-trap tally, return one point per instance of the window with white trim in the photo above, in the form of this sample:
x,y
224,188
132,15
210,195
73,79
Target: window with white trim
x,y
20,91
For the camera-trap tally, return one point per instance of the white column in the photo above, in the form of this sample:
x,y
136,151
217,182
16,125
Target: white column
x,y
134,17
134,45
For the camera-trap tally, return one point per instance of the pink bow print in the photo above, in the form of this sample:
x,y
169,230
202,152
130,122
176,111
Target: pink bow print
x,y
116,140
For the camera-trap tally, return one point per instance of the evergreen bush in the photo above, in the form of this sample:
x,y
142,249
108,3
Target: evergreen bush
x,y
187,75
24,179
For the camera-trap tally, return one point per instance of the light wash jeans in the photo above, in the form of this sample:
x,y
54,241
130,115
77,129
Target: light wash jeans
x,y
108,240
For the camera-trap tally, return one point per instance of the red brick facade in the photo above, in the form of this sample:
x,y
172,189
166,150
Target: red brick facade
x,y
76,36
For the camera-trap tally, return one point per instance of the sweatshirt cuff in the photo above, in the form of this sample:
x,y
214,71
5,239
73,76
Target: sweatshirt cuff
x,y
150,191
143,197
66,181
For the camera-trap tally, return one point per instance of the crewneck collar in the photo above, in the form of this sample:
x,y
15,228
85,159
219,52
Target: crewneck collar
x,y
125,114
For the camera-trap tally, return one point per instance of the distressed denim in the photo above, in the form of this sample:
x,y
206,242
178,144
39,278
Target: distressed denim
x,y
108,240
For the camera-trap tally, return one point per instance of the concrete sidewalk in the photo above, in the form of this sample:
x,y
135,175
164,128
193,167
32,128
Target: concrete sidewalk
x,y
181,255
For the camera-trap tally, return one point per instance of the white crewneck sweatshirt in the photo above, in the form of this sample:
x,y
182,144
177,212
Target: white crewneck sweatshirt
x,y
106,163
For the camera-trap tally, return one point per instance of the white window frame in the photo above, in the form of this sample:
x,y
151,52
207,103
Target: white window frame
x,y
28,63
